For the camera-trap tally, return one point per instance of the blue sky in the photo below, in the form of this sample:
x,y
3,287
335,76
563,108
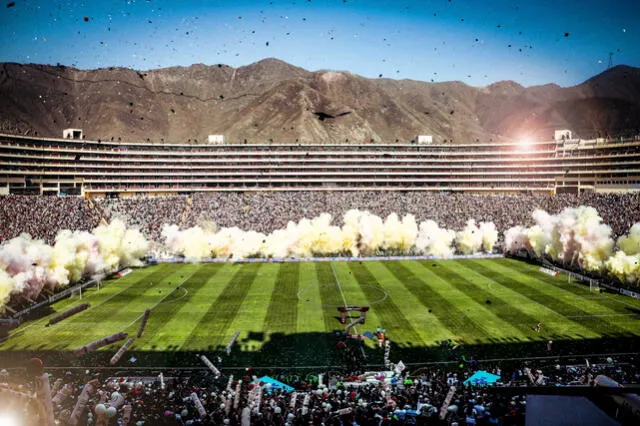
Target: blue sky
x,y
475,41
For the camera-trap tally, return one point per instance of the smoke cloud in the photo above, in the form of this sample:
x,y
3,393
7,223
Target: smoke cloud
x,y
577,236
362,233
625,264
473,239
630,243
29,266
435,241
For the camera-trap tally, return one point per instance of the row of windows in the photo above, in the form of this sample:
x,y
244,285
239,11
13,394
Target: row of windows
x,y
110,146
292,171
55,160
82,166
128,155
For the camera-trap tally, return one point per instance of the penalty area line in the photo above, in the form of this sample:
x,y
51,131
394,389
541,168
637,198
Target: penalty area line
x,y
41,320
162,300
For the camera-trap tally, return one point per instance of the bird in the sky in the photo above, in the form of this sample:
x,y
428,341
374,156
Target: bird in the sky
x,y
323,115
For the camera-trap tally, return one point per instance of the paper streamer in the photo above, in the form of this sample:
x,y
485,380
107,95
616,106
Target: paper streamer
x,y
68,313
81,404
209,364
99,343
143,324
43,392
63,394
125,347
196,401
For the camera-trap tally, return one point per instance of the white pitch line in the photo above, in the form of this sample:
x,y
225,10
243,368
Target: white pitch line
x,y
335,276
583,286
20,332
613,299
601,315
161,300
344,299
520,295
597,296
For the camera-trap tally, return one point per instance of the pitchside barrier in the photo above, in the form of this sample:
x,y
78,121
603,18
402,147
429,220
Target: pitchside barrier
x,y
595,283
548,271
316,259
76,289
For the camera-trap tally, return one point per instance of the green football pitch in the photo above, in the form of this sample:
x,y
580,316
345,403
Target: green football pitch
x,y
286,313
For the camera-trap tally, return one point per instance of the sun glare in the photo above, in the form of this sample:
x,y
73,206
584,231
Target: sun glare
x,y
525,143
8,420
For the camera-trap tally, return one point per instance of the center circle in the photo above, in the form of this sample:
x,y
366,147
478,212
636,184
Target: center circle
x,y
334,296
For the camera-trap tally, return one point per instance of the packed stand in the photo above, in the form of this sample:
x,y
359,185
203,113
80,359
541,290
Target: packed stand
x,y
267,211
43,217
193,397
146,213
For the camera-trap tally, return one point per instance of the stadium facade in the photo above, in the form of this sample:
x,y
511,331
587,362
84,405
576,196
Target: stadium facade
x,y
49,166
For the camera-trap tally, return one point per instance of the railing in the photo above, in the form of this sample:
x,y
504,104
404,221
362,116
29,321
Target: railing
x,y
58,296
593,281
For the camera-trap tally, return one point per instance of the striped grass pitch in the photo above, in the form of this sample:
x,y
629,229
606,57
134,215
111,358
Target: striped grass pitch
x,y
286,312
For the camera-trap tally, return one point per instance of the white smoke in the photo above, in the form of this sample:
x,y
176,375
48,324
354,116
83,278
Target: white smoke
x,y
362,233
7,285
366,232
435,241
625,264
474,239
576,236
489,236
29,266
399,235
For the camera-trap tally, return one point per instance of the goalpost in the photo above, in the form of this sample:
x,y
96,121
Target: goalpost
x,y
594,285
76,293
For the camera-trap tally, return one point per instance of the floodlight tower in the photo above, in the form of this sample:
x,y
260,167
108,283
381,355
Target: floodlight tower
x,y
610,65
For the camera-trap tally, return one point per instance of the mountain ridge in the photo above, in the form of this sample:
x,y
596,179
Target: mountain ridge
x,y
271,101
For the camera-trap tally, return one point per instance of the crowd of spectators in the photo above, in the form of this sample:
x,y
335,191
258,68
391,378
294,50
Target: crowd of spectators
x,y
42,217
147,214
267,211
414,397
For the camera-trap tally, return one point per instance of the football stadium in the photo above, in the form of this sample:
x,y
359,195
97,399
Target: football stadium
x,y
315,263
320,212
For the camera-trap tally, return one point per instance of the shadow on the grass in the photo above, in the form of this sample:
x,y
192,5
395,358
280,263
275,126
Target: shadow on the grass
x,y
282,351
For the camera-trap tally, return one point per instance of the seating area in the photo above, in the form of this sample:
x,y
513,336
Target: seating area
x,y
54,166
43,217
192,396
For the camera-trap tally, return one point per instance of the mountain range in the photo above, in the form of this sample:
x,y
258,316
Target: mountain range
x,y
271,101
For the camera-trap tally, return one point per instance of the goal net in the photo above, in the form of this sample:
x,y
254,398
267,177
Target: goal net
x,y
594,286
